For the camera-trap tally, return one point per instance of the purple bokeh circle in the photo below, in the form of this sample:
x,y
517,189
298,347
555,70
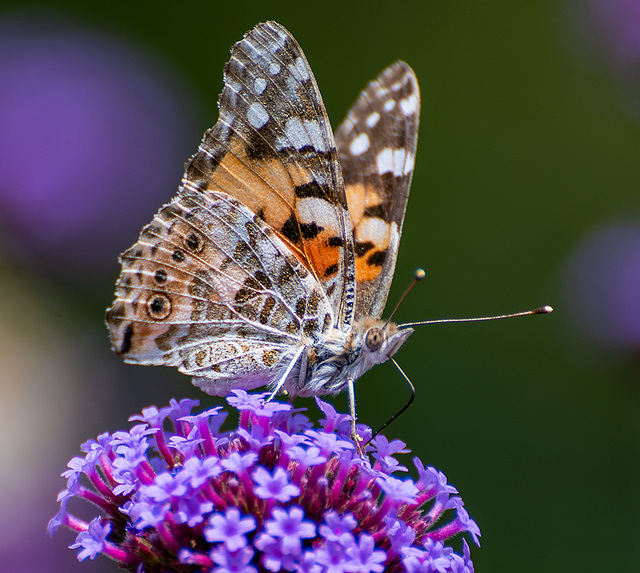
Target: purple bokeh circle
x,y
603,286
614,25
93,138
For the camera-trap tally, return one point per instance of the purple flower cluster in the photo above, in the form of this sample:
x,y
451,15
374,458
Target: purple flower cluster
x,y
275,494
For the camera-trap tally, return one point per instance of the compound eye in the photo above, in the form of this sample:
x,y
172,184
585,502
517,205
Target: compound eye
x,y
374,339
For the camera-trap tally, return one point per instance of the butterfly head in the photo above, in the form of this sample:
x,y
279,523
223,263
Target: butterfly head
x,y
347,356
381,340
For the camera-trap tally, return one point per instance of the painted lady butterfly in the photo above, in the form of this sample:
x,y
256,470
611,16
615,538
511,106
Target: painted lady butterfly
x,y
273,263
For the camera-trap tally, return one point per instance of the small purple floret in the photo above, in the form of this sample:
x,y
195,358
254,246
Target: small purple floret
x,y
274,486
337,528
290,527
93,540
230,528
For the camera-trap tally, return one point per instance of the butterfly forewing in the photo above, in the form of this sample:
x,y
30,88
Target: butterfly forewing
x,y
377,146
273,149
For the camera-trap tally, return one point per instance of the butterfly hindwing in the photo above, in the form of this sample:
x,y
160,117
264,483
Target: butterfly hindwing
x,y
377,146
273,149
211,289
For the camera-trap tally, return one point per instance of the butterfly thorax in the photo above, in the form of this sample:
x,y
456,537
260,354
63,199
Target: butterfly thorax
x,y
338,357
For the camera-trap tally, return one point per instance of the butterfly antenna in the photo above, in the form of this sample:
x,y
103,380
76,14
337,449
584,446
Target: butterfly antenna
x,y
418,275
542,310
405,407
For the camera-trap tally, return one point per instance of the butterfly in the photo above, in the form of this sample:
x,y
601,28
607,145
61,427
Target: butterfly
x,y
273,263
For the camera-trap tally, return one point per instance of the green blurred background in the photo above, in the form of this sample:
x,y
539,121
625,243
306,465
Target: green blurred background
x,y
529,142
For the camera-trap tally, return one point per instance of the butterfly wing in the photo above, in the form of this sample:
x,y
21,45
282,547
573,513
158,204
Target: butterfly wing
x,y
273,149
211,289
254,256
377,145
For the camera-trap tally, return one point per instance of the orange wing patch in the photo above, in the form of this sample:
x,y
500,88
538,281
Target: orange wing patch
x,y
325,241
286,197
266,187
372,234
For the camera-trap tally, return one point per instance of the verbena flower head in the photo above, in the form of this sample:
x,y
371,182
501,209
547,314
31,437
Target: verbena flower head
x,y
274,494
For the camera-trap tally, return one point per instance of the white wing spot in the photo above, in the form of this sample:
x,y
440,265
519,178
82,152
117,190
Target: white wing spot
x,y
274,69
359,144
313,209
257,116
295,133
409,164
373,119
349,123
277,43
389,104
259,85
303,68
234,88
409,105
373,229
316,135
301,134
253,51
396,161
282,39
384,161
299,70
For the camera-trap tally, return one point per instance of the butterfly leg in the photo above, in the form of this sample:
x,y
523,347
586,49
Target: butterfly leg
x,y
285,375
351,393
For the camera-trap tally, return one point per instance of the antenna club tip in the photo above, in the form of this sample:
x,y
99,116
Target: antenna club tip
x,y
546,309
419,274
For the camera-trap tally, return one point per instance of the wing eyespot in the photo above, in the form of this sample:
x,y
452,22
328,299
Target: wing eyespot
x,y
159,306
